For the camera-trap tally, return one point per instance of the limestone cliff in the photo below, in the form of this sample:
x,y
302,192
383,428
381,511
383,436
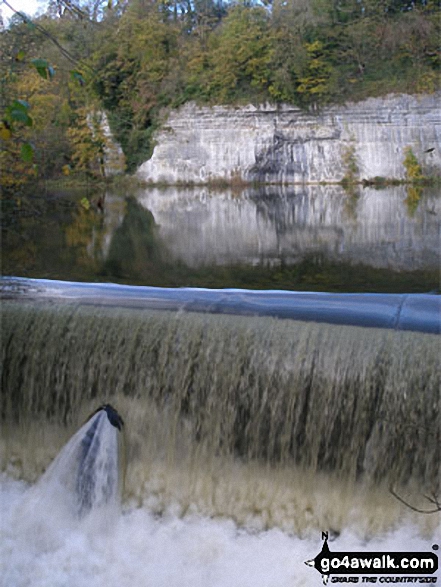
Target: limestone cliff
x,y
114,160
283,144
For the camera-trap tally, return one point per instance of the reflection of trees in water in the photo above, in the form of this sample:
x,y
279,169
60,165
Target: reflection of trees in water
x,y
278,209
85,234
33,238
413,198
135,250
76,238
301,240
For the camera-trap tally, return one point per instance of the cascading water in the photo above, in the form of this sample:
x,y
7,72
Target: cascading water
x,y
85,476
267,421
246,436
89,462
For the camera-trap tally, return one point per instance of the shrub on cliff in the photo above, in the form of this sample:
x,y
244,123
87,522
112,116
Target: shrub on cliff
x,y
147,55
414,172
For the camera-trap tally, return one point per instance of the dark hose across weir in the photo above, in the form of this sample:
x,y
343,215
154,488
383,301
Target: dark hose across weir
x,y
417,312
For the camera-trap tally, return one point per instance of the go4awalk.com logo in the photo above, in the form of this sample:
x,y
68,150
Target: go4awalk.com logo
x,y
375,567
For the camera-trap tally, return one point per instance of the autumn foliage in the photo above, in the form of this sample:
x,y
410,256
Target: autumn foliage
x,y
136,59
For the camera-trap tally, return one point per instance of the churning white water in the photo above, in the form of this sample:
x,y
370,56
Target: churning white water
x,y
69,530
85,474
245,439
134,548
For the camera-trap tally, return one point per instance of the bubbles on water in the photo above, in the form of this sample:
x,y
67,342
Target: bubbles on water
x,y
140,549
81,481
238,429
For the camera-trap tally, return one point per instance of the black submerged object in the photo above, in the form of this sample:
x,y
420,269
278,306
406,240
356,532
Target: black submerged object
x,y
113,416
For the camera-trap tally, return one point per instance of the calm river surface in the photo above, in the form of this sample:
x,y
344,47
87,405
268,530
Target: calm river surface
x,y
299,238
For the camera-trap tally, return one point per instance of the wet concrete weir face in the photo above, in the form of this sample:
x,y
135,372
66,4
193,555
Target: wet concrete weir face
x,y
228,414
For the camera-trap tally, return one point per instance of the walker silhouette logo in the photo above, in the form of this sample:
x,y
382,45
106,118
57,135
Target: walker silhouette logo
x,y
374,567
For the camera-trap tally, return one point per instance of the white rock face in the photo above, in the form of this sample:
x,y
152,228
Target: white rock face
x,y
114,160
283,144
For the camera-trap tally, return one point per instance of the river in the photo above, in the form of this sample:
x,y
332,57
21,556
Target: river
x,y
246,436
317,238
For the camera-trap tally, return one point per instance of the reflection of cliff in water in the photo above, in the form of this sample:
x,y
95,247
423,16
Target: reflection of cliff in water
x,y
315,238
374,228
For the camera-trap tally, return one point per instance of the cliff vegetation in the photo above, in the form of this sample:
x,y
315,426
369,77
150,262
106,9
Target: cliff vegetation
x,y
135,58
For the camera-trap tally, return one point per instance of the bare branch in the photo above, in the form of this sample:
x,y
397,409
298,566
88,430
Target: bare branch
x,y
44,32
434,500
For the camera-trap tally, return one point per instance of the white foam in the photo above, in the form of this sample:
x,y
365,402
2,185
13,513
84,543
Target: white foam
x,y
137,549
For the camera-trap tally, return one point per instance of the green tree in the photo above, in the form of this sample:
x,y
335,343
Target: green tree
x,y
137,73
414,171
136,59
240,55
291,22
317,84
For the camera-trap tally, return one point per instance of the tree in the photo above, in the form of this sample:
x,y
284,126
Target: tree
x,y
316,85
136,74
240,55
36,74
290,21
414,172
136,58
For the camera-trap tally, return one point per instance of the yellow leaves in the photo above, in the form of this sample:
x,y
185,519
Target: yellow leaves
x,y
42,97
5,131
414,171
89,141
85,203
428,82
30,84
14,172
316,82
312,85
65,170
314,47
315,64
413,199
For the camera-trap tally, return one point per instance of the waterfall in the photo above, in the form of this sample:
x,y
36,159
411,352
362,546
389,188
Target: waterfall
x,y
223,413
90,462
84,477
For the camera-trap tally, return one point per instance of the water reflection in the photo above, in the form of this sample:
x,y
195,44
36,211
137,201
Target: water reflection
x,y
372,227
320,238
135,249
